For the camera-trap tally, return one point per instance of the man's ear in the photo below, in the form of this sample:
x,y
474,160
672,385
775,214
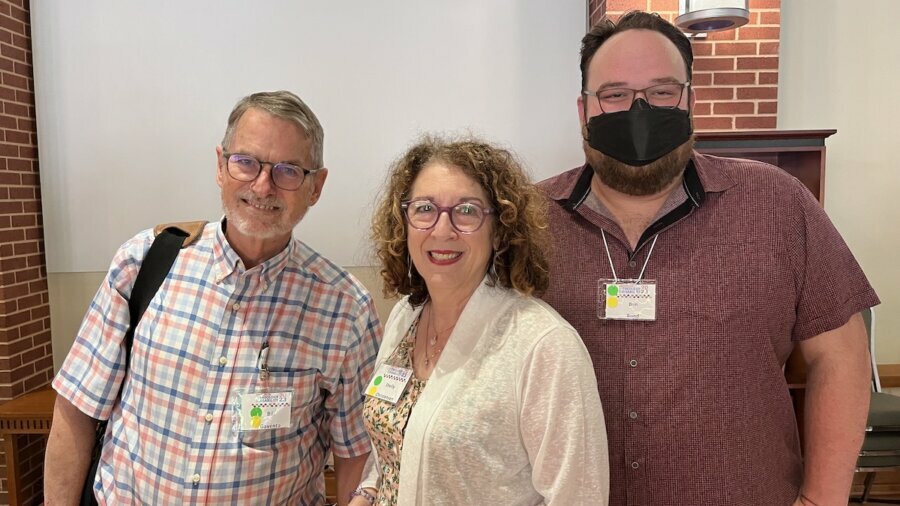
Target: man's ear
x,y
220,167
582,117
318,183
581,112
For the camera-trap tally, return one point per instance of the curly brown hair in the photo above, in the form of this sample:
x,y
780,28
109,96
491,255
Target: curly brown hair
x,y
521,235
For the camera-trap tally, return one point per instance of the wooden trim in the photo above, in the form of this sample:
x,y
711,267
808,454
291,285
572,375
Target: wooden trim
x,y
769,135
886,485
889,375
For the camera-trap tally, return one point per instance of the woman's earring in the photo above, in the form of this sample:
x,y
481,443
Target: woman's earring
x,y
409,268
493,270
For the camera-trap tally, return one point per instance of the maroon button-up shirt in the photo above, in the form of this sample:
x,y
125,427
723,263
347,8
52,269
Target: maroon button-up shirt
x,y
746,264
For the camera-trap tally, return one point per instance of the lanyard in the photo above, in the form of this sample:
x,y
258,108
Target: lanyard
x,y
609,257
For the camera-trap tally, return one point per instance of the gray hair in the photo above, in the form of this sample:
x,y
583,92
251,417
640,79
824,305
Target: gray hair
x,y
285,105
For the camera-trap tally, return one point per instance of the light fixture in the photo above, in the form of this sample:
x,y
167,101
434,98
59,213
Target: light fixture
x,y
701,16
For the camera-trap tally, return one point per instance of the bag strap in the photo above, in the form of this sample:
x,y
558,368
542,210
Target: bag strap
x,y
170,238
191,230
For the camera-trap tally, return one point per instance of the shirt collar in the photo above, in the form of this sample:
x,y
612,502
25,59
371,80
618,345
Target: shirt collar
x,y
229,263
573,187
700,179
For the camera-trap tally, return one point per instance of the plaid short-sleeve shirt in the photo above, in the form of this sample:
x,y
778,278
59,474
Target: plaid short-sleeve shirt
x,y
172,439
746,264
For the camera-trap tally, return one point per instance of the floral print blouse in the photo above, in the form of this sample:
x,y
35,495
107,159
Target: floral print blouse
x,y
386,422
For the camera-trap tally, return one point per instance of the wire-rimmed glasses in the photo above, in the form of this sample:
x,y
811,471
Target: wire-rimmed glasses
x,y
667,95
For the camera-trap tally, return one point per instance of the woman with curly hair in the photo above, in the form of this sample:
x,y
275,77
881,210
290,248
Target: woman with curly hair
x,y
482,393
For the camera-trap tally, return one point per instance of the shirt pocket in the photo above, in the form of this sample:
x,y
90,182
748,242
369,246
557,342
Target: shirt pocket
x,y
730,283
287,372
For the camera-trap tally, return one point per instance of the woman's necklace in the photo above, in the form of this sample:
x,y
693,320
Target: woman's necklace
x,y
432,339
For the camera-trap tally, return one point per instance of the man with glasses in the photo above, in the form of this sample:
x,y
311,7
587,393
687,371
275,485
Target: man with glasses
x,y
691,278
249,364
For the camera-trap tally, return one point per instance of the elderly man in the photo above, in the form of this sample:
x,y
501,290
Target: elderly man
x,y
246,311
691,278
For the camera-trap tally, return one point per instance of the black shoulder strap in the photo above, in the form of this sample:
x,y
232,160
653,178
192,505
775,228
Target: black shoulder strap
x,y
154,268
153,271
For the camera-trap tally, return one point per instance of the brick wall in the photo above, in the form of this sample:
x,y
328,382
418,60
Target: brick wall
x,y
735,71
596,10
26,361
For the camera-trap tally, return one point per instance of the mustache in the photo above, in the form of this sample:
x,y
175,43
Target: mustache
x,y
254,200
643,180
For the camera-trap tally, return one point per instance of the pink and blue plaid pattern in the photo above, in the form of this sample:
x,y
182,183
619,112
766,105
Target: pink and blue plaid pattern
x,y
171,439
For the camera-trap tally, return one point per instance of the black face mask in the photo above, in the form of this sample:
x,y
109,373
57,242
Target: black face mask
x,y
640,135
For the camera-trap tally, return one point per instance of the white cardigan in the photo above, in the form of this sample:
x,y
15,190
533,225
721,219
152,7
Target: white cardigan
x,y
510,415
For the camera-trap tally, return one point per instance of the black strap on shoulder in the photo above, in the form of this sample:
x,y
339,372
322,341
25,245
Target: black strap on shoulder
x,y
152,273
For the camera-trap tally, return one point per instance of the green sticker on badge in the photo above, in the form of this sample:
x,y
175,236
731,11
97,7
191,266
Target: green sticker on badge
x,y
378,380
612,290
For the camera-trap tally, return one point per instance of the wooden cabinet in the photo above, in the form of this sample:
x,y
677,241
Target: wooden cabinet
x,y
800,152
330,486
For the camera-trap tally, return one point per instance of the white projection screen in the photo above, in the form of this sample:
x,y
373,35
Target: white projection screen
x,y
132,98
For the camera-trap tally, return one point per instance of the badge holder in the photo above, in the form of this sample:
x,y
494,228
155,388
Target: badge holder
x,y
626,299
388,383
259,407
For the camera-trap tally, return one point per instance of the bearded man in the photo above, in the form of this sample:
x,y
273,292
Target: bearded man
x,y
691,278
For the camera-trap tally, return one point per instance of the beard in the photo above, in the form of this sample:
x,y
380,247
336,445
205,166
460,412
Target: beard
x,y
250,224
641,180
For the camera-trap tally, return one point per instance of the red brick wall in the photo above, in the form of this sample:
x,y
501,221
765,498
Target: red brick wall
x,y
735,71
26,361
596,9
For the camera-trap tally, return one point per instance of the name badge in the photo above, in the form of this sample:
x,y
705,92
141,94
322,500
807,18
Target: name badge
x,y
266,410
388,383
626,299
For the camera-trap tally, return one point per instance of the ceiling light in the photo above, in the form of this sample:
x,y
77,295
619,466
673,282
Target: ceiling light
x,y
700,16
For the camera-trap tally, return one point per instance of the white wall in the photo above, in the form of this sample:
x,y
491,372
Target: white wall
x,y
132,98
840,68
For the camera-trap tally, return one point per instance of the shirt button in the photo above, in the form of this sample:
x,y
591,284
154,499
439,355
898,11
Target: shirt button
x,y
632,415
223,360
208,417
632,263
635,465
236,306
633,363
195,478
